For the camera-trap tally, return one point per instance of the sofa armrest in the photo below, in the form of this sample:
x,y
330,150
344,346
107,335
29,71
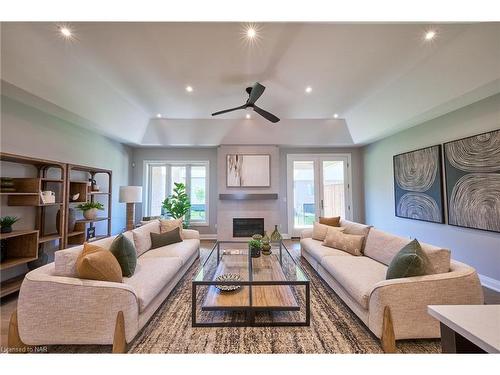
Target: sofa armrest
x,y
190,234
66,310
306,233
409,297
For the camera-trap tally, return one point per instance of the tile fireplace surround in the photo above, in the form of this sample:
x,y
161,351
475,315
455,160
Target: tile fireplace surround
x,y
246,202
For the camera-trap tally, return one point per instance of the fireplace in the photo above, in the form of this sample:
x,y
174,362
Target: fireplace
x,y
247,227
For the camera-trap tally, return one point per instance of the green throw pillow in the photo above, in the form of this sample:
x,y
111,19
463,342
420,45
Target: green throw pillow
x,y
125,253
409,261
164,239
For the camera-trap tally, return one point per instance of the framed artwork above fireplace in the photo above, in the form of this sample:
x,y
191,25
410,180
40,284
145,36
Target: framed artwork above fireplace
x,y
248,170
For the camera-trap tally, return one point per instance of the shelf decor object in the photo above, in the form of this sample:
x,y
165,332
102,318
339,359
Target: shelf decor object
x,y
83,189
130,195
418,185
472,168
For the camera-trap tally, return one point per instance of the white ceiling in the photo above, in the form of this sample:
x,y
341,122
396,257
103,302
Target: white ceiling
x,y
380,78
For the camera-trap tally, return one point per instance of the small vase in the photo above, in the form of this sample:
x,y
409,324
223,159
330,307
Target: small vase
x,y
276,236
6,229
254,252
90,214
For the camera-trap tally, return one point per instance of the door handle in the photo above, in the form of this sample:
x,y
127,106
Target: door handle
x,y
322,205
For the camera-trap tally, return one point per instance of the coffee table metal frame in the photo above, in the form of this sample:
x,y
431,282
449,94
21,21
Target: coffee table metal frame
x,y
250,310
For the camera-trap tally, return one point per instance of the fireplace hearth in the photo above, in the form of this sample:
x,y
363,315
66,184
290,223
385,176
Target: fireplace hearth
x,y
247,227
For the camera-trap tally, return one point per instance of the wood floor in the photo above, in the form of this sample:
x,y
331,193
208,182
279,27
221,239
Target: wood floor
x,y
9,303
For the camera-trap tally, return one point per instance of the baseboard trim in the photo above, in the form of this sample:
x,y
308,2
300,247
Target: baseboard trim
x,y
208,236
490,282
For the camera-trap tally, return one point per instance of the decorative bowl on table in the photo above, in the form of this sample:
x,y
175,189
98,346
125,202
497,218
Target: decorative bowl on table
x,y
228,277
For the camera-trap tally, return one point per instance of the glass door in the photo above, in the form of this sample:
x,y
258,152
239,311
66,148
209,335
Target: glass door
x,y
318,185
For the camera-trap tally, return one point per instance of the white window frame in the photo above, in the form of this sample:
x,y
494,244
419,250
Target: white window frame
x,y
183,163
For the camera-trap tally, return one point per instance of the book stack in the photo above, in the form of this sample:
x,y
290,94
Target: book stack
x,y
7,185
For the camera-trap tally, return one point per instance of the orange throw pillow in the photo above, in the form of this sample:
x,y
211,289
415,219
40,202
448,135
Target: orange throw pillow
x,y
96,263
331,221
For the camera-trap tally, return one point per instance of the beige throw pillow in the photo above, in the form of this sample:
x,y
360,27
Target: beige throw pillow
x,y
170,225
142,237
350,243
320,230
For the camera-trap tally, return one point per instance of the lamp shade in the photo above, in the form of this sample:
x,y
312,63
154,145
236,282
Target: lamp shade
x,y
130,194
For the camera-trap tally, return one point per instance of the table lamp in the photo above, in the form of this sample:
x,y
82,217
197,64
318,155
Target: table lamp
x,y
130,195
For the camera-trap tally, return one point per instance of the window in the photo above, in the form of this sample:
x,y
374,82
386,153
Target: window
x,y
160,179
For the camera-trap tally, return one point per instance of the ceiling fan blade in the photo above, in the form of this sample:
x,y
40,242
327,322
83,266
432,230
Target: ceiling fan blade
x,y
257,91
265,114
229,110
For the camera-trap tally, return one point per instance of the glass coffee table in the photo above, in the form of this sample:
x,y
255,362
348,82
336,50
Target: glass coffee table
x,y
271,290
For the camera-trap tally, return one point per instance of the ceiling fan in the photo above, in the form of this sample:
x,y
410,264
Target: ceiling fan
x,y
254,93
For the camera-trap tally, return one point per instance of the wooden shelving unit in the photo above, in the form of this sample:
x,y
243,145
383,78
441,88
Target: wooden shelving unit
x,y
22,247
78,234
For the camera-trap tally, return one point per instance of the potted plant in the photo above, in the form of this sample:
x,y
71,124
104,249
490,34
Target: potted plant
x,y
178,204
90,209
254,246
6,223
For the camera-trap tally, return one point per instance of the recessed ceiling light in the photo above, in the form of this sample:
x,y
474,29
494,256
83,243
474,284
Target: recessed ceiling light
x,y
158,115
247,116
251,32
429,35
335,115
65,32
189,89
309,89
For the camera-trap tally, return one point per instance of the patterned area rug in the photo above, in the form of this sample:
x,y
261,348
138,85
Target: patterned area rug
x,y
334,329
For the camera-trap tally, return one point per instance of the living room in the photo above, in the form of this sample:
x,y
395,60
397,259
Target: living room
x,y
273,187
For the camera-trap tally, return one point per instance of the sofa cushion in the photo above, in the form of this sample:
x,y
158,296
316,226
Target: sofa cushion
x,y
171,224
183,250
318,251
142,237
124,251
96,263
350,227
164,239
332,221
351,243
320,230
357,275
409,261
151,276
383,247
65,260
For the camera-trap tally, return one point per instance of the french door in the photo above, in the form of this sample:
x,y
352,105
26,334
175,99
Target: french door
x,y
317,185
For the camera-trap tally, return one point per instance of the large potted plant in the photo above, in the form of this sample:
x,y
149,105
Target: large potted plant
x,y
178,204
90,209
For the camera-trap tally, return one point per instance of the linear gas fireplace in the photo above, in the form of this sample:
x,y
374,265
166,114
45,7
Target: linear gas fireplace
x,y
247,227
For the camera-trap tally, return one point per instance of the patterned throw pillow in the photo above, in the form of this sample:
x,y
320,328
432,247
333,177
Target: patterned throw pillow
x,y
410,261
164,239
125,253
331,221
96,263
171,224
320,230
350,243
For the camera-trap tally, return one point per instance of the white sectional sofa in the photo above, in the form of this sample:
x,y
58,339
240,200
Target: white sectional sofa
x,y
397,308
56,307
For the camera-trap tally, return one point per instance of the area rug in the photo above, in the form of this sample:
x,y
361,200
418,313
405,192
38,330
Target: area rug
x,y
334,329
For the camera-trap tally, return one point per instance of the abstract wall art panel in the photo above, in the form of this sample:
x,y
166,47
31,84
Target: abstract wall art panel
x,y
248,170
472,169
418,185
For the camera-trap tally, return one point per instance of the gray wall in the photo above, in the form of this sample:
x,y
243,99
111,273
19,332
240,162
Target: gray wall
x,y
478,248
357,179
31,132
185,154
